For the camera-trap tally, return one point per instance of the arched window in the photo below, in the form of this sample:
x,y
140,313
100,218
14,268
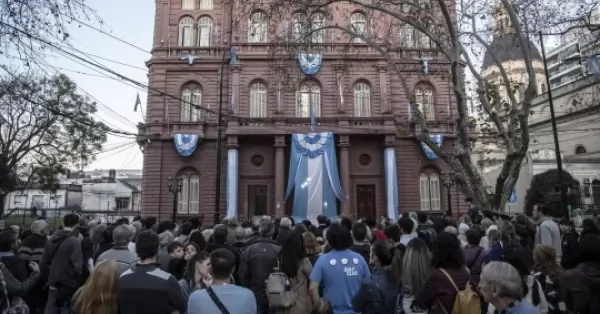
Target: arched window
x,y
299,26
358,23
429,187
258,100
580,149
307,97
318,22
206,4
191,100
258,26
204,31
188,4
362,100
425,101
186,32
189,196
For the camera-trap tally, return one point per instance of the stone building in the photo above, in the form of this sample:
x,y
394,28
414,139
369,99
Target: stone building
x,y
353,95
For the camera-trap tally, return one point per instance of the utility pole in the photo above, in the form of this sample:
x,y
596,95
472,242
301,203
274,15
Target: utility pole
x,y
561,186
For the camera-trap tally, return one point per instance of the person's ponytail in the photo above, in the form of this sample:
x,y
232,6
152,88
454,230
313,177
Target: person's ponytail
x,y
396,264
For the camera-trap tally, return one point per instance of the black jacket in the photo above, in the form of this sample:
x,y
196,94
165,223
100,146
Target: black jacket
x,y
62,262
569,244
32,248
145,289
256,264
18,267
363,249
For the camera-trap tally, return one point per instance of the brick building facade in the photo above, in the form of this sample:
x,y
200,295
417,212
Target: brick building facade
x,y
259,114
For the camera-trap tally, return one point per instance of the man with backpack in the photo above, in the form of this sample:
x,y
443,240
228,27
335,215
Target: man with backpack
x,y
62,265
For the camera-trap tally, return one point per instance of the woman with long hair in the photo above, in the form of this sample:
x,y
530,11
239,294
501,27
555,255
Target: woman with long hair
x,y
379,293
295,264
548,274
416,266
197,274
99,294
312,249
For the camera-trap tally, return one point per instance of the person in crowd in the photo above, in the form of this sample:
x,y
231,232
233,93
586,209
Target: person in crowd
x,y
240,240
589,226
254,225
197,238
424,230
166,226
9,244
232,224
360,244
376,233
295,264
99,294
416,269
145,288
62,264
406,228
97,236
190,250
106,242
87,248
32,247
220,234
285,229
449,275
548,273
580,285
134,232
463,228
312,249
570,240
257,262
507,236
393,233
379,293
487,225
150,223
14,289
474,254
548,232
452,230
501,285
222,294
120,251
197,274
177,263
340,272
525,230
186,230
322,225
164,239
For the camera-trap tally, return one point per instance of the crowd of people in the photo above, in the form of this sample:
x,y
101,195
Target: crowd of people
x,y
482,263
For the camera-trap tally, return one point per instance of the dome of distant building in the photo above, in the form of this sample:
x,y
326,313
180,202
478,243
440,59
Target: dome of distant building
x,y
506,47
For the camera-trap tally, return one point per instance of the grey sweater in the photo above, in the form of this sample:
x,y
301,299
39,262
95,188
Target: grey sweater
x,y
62,260
122,255
548,233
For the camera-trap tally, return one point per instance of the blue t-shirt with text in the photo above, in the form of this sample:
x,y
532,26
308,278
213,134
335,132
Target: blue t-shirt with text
x,y
340,273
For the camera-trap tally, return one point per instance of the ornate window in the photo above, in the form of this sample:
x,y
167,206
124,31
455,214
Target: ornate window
x,y
188,4
358,23
186,32
204,31
318,22
362,100
258,100
429,187
580,149
412,38
425,101
309,95
191,100
206,4
258,27
189,196
299,26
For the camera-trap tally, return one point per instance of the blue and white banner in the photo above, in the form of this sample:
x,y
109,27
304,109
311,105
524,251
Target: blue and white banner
x,y
310,63
313,176
391,183
437,139
186,144
232,182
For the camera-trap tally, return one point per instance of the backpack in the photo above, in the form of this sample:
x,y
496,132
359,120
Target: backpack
x,y
11,305
279,290
466,301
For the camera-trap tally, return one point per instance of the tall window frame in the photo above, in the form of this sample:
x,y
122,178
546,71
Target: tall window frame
x,y
191,101
189,196
362,100
258,26
425,101
317,22
430,191
307,95
358,23
206,4
205,29
258,100
186,32
299,26
188,4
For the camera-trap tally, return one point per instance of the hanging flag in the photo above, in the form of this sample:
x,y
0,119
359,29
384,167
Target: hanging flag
x,y
437,139
312,116
593,64
138,102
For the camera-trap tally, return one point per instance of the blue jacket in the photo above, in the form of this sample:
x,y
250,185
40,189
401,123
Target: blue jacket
x,y
377,294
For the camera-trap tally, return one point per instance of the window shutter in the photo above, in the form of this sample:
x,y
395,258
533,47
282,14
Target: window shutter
x,y
424,189
315,95
185,105
194,195
183,196
434,187
357,102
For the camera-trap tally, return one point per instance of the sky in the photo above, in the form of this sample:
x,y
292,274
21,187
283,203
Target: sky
x,y
132,21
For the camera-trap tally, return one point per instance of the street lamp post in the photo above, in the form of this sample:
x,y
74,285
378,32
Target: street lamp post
x,y
175,188
448,183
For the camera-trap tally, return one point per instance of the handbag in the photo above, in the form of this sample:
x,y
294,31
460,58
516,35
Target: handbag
x,y
213,296
14,305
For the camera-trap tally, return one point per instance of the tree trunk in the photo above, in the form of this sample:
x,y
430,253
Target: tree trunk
x,y
2,199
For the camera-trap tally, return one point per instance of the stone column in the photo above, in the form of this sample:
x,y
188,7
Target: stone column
x,y
344,144
235,88
386,104
279,176
232,177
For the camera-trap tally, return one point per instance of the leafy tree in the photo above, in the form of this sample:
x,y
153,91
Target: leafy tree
x,y
544,189
456,35
46,126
